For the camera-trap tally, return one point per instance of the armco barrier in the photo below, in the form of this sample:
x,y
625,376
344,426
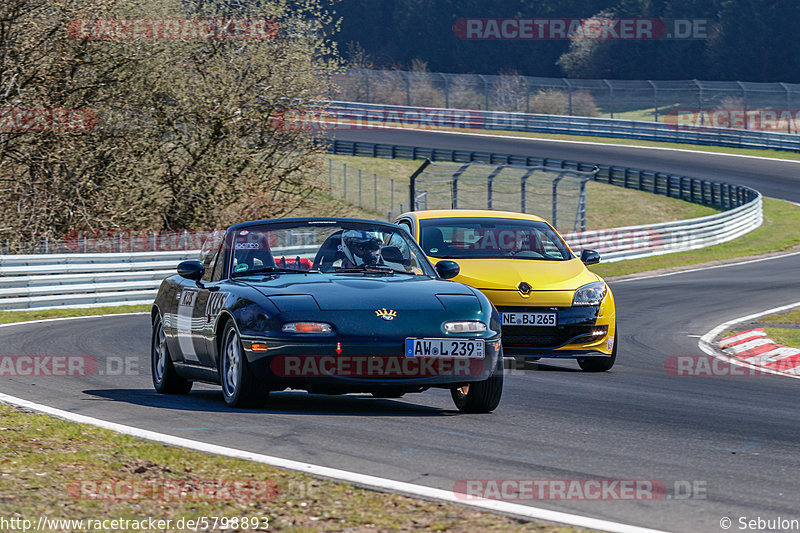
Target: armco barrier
x,y
744,205
101,279
695,190
361,116
43,281
633,242
84,280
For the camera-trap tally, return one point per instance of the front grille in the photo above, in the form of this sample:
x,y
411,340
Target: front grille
x,y
549,337
572,322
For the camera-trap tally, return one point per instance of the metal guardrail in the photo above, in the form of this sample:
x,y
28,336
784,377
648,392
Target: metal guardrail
x,y
43,281
695,190
743,204
108,280
361,116
634,242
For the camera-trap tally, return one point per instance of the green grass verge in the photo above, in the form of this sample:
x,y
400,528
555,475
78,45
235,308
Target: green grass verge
x,y
41,457
792,316
398,169
8,317
784,336
788,336
608,206
58,469
779,232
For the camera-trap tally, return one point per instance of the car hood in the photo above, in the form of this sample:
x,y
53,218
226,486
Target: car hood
x,y
507,274
355,304
346,292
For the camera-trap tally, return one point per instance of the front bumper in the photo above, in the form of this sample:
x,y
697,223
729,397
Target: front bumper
x,y
580,332
361,366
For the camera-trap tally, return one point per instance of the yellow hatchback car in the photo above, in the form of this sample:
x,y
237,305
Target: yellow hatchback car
x,y
551,304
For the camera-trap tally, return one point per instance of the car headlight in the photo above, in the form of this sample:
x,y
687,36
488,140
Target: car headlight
x,y
591,294
306,327
464,326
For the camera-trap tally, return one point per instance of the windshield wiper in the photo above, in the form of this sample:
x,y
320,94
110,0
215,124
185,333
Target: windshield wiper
x,y
272,270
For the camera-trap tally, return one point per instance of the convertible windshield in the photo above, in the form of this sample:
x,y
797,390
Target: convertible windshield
x,y
490,238
325,246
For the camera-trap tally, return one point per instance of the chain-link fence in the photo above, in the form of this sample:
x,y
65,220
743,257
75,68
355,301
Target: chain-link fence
x,y
380,196
557,194
744,105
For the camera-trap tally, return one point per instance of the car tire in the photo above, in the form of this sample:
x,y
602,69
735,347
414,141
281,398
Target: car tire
x,y
240,388
479,397
600,364
165,379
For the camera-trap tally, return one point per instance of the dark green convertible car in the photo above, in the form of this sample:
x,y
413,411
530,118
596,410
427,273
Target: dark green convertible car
x,y
327,305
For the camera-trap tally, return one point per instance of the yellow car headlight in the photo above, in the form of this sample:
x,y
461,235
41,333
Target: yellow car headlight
x,y
591,294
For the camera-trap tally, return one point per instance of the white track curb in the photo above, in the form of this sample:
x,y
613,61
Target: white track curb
x,y
706,342
363,480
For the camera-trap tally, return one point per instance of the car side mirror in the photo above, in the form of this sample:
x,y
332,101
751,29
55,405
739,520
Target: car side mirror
x,y
447,269
590,257
192,270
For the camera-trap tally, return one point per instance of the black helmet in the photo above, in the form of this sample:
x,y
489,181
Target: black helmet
x,y
361,247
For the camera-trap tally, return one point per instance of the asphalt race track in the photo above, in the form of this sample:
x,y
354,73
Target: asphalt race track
x,y
775,178
738,437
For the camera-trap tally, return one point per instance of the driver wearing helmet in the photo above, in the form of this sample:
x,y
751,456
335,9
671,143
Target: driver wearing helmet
x,y
361,247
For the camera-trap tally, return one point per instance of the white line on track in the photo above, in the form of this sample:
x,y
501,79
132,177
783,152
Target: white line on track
x,y
560,141
373,482
700,269
411,489
42,320
706,342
